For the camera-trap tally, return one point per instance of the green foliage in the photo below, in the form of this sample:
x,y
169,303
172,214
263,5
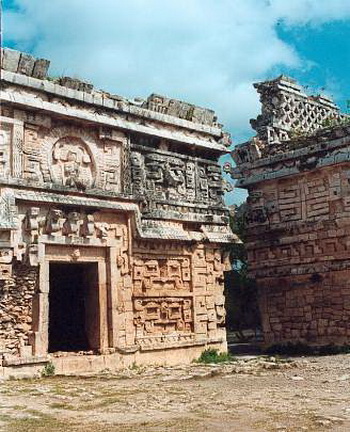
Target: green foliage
x,y
334,121
134,366
212,355
49,370
240,290
297,133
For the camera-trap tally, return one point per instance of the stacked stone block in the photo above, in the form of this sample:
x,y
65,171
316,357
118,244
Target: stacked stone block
x,y
298,223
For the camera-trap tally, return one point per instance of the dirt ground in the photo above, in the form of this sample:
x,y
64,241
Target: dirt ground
x,y
249,394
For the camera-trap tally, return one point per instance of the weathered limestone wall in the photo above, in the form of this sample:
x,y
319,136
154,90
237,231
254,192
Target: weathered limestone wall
x,y
18,284
297,216
131,188
312,309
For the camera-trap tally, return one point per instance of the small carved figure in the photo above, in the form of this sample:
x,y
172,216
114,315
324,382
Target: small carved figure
x,y
71,170
88,226
220,310
76,254
102,229
71,225
53,225
31,223
32,254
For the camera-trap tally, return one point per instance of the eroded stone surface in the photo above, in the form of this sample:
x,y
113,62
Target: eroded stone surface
x,y
131,189
297,173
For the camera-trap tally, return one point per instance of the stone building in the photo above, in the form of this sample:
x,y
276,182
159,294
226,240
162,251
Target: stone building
x,y
297,173
112,225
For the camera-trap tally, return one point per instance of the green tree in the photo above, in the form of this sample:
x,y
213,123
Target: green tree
x,y
240,290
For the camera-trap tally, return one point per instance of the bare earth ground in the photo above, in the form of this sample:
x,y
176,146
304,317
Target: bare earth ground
x,y
251,394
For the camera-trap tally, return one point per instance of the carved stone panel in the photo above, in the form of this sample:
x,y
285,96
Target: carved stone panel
x,y
72,164
11,148
5,151
161,274
163,316
163,176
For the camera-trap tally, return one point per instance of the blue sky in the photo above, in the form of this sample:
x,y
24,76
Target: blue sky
x,y
327,48
208,52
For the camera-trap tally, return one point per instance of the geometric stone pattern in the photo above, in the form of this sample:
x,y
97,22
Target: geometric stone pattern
x,y
298,234
287,111
133,188
162,176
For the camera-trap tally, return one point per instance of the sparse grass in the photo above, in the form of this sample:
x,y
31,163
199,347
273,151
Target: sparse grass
x,y
212,355
137,368
59,405
46,423
35,421
49,370
158,402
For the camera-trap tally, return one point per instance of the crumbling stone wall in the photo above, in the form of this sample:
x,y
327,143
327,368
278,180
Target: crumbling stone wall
x,y
298,222
16,298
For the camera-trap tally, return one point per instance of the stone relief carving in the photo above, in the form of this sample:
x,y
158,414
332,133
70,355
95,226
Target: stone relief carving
x,y
220,310
61,223
102,229
153,316
164,177
31,223
209,266
160,273
112,166
5,153
72,165
88,226
32,255
8,210
72,224
154,163
138,173
54,222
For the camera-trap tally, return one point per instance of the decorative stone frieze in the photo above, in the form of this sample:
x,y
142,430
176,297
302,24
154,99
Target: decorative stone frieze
x,y
112,225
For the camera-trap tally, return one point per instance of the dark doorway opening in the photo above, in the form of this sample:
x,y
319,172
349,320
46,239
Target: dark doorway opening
x,y
73,307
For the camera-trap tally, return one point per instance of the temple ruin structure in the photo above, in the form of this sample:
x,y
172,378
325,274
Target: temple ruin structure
x,y
112,225
297,173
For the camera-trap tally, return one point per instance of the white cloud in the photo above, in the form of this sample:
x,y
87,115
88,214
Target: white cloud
x,y
204,51
310,11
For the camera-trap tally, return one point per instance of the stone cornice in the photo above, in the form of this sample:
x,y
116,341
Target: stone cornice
x,y
142,228
294,161
116,112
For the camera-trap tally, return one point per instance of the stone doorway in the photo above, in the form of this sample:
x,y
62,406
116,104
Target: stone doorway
x,y
73,307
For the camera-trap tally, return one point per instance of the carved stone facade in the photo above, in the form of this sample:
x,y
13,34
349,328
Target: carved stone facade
x,y
111,222
298,217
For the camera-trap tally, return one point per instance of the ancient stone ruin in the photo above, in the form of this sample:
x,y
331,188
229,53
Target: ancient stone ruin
x,y
297,173
112,225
